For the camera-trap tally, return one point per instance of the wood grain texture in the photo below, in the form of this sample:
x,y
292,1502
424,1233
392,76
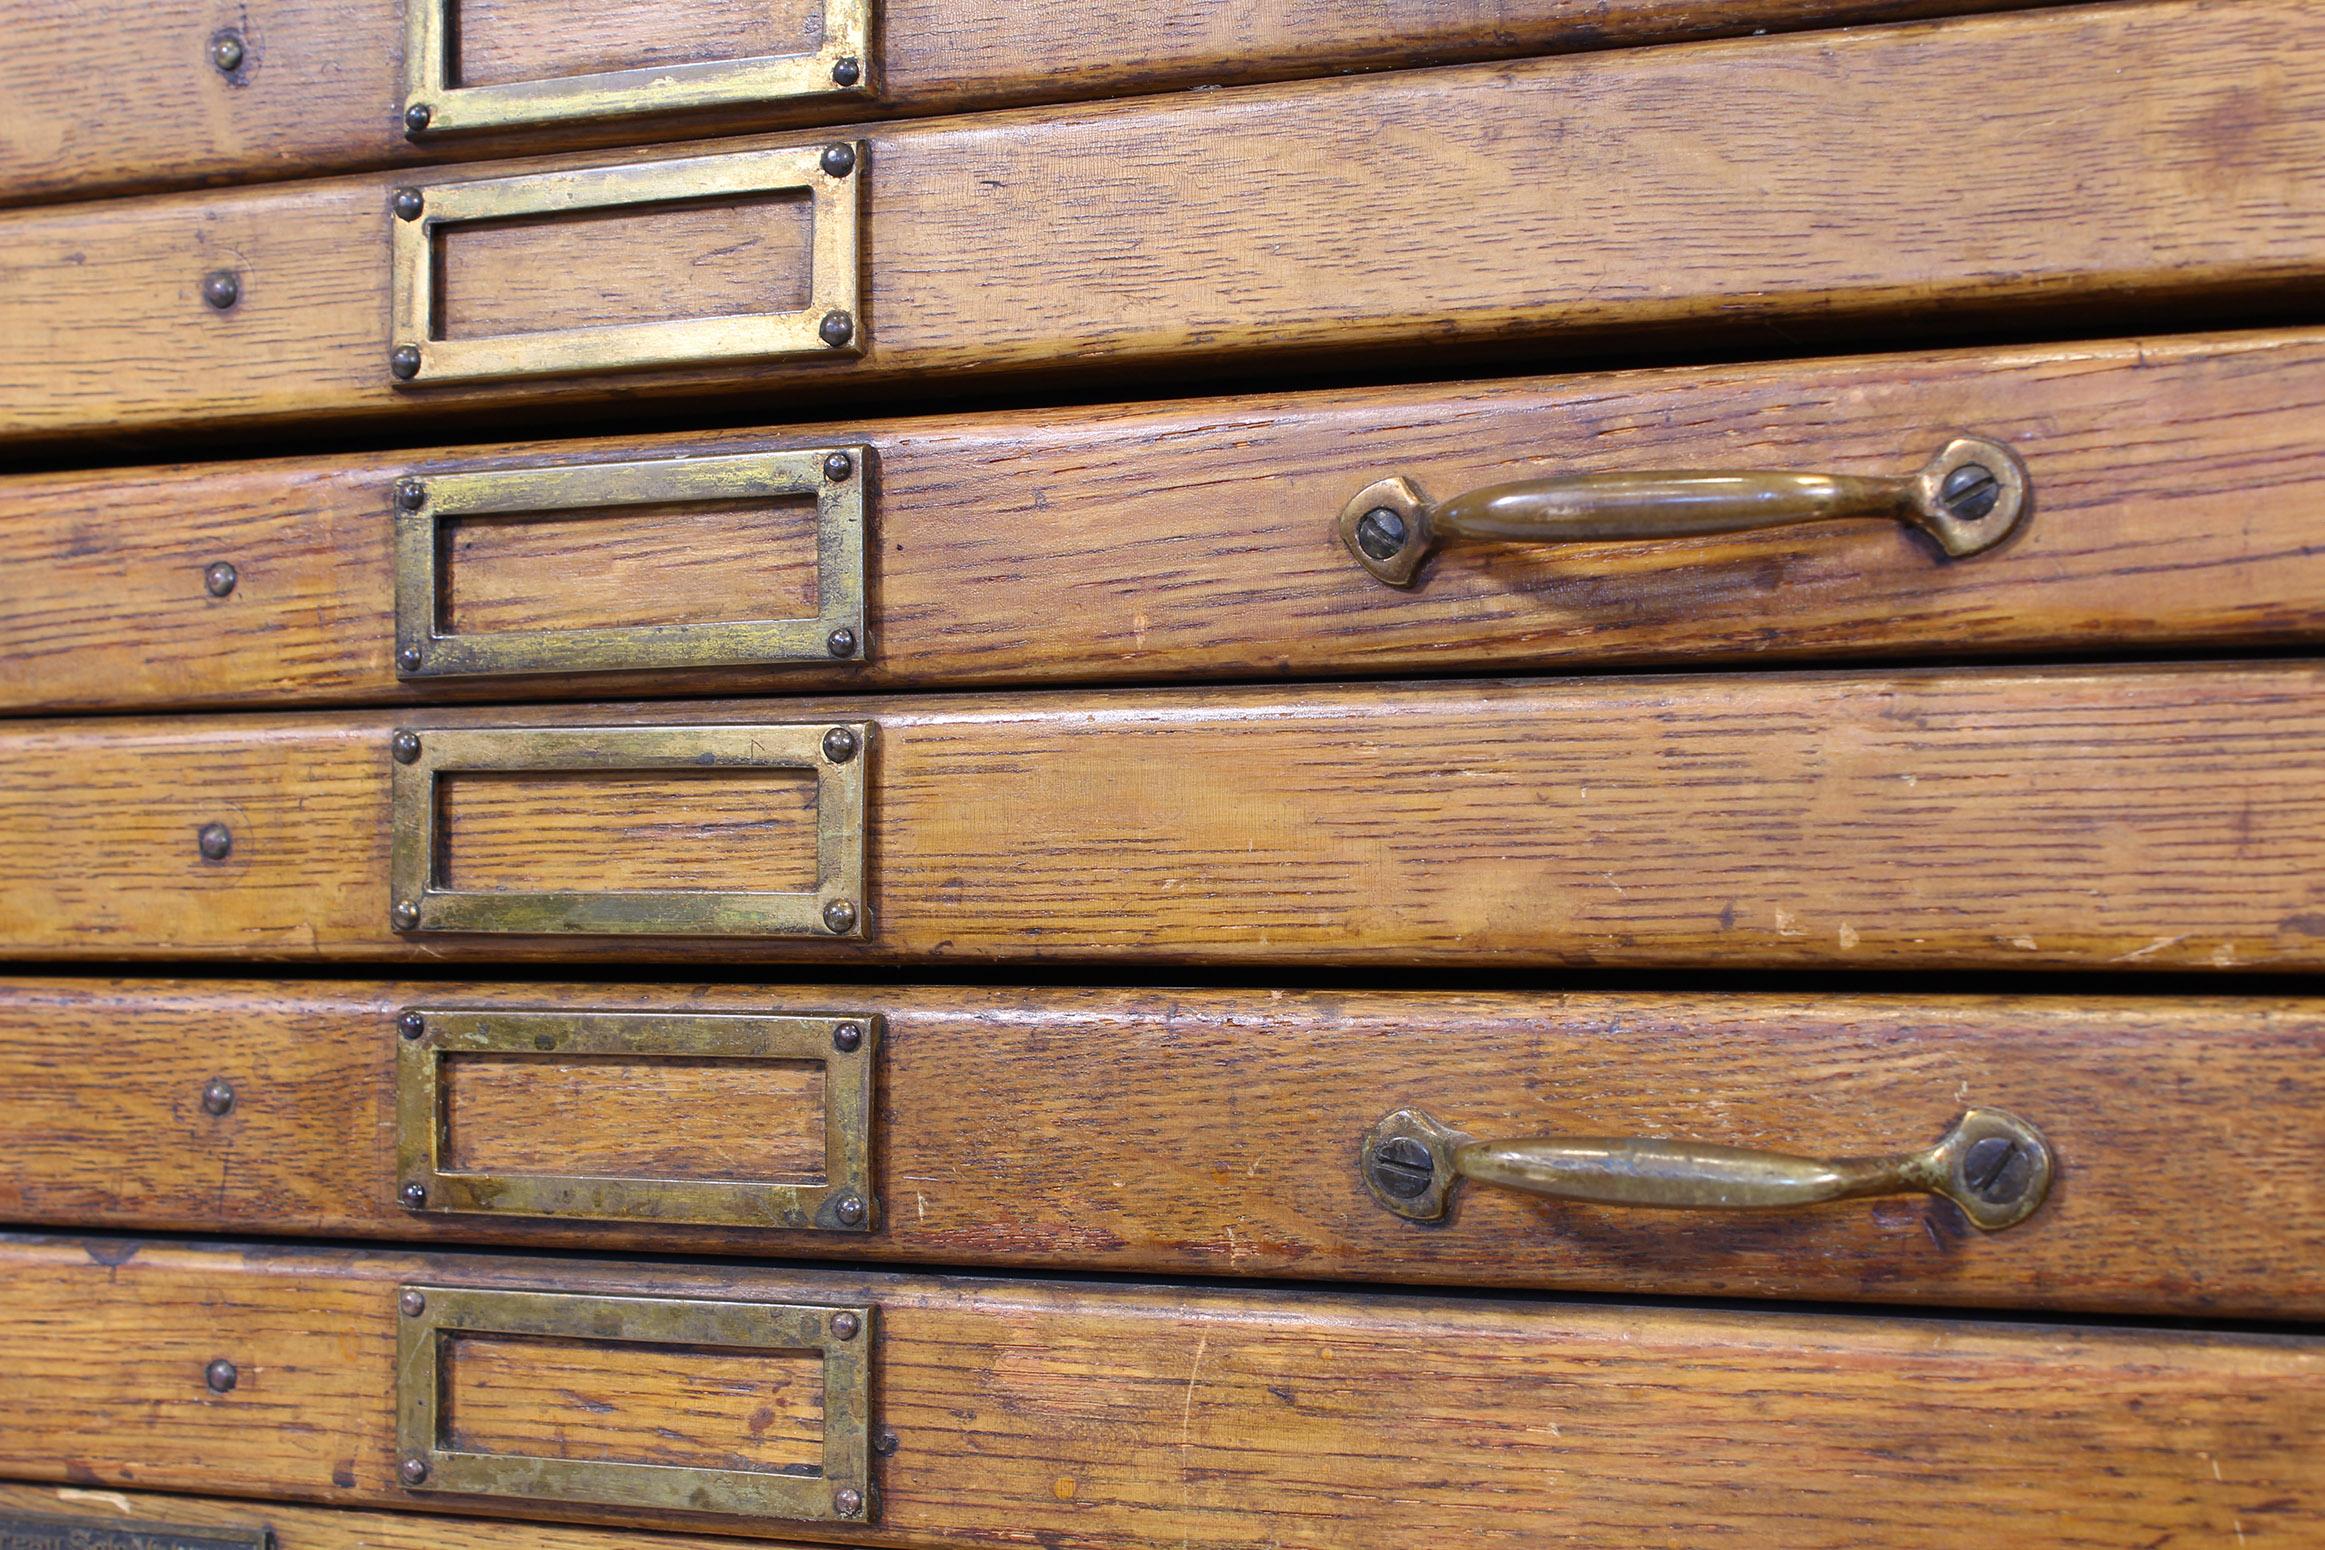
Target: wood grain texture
x,y
1215,1132
2149,818
126,97
328,1528
2178,483
1147,1417
1742,190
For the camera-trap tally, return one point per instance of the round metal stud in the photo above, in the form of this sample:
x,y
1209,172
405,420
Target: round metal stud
x,y
414,1196
405,915
416,117
847,1501
221,1376
411,1025
846,72
218,1096
841,642
227,52
409,658
847,1038
1380,533
839,917
405,746
221,288
219,577
849,1209
836,329
845,1325
408,204
412,1304
413,1470
839,160
404,362
411,494
215,841
838,467
841,744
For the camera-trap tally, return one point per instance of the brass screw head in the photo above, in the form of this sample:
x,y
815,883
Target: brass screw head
x,y
1971,492
408,203
411,494
1402,1167
219,578
405,915
412,1304
404,362
847,72
215,841
221,288
405,745
414,1196
838,466
839,917
221,1376
841,642
411,1025
845,1325
416,117
409,658
839,160
847,1501
836,329
850,1210
840,744
227,52
848,1038
413,1470
218,1096
1380,533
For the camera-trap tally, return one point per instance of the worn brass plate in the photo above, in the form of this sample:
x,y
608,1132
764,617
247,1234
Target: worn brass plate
x,y
832,281
31,1531
431,27
421,902
670,1321
423,650
421,1120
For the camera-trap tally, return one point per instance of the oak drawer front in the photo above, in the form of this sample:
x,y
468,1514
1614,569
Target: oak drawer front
x,y
172,94
1202,1133
2113,204
2120,818
1178,541
1151,1416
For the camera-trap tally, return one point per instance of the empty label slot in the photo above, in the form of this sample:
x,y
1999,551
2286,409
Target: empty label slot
x,y
527,831
499,42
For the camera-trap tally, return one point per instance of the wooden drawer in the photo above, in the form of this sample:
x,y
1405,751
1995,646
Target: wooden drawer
x,y
173,91
2173,487
1150,1416
1845,176
2142,818
1201,1132
120,1520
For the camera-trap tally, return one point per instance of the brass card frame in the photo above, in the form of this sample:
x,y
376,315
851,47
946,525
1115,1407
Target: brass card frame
x,y
833,282
836,909
427,1313
432,105
424,650
843,1202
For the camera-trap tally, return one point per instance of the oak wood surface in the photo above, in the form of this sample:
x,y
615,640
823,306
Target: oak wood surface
x,y
1391,217
126,96
1156,1416
2124,817
2177,485
1215,1132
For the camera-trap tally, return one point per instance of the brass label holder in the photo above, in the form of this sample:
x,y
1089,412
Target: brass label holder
x,y
841,66
844,1046
40,1531
834,633
840,1490
830,324
835,754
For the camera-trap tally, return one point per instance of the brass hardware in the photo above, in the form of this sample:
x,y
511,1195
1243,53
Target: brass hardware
x,y
37,1531
1969,497
422,1121
430,1460
421,507
435,104
420,902
1994,1165
417,354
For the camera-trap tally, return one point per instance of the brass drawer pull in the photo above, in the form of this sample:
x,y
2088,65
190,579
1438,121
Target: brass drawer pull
x,y
1995,1166
1969,498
